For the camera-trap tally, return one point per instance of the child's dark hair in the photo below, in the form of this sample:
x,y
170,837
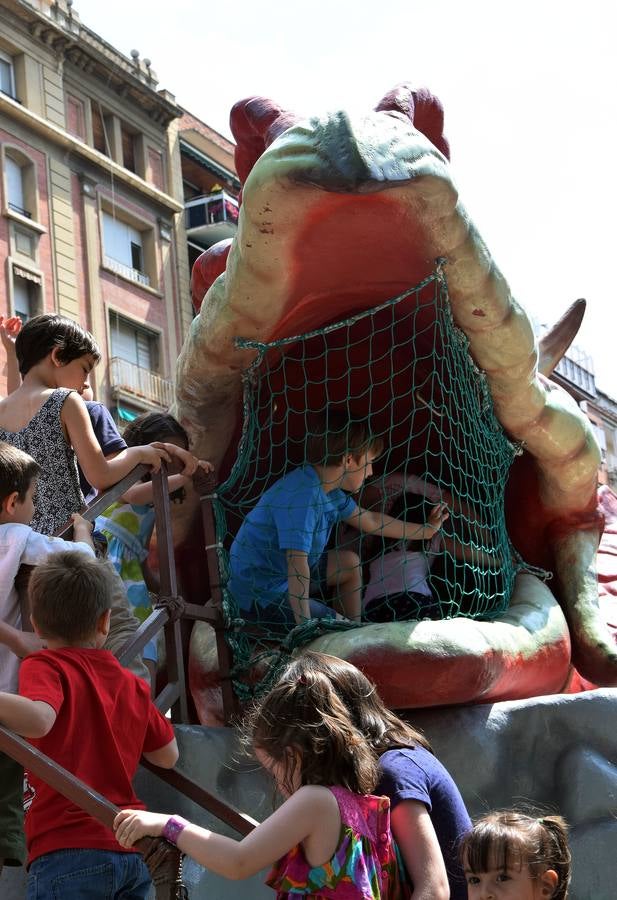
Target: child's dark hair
x,y
154,427
509,839
410,508
380,727
157,427
302,721
69,594
334,434
42,334
17,471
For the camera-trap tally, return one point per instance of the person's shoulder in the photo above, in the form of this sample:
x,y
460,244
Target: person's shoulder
x,y
15,530
69,400
295,482
300,475
14,537
416,756
316,795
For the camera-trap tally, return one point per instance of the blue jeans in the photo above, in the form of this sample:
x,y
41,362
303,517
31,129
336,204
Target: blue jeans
x,y
92,874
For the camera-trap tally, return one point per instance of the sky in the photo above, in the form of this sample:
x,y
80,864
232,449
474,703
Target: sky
x,y
528,89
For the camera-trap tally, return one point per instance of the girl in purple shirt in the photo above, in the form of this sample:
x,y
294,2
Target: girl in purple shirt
x,y
428,816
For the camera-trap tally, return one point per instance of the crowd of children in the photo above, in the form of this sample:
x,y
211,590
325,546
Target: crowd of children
x,y
369,812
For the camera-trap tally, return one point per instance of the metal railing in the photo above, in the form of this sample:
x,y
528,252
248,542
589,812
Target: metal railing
x,y
133,379
211,209
168,612
19,209
126,271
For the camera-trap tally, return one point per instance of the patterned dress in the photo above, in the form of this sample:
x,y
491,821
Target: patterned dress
x,y
58,493
364,865
128,529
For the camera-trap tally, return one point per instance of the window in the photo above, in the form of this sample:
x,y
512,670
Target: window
x,y
128,149
132,343
25,242
75,117
19,183
124,248
7,75
134,363
26,293
16,193
99,132
157,168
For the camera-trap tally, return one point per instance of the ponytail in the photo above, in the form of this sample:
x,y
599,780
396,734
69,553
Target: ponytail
x,y
557,854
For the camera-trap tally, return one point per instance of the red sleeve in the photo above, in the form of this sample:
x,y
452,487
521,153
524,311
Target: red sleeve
x,y
159,732
39,680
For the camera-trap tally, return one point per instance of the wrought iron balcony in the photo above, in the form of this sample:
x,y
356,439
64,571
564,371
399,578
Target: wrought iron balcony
x,y
211,218
127,378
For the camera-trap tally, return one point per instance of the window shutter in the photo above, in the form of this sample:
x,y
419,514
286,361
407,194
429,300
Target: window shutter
x,y
6,78
14,182
75,117
21,298
143,350
116,240
123,342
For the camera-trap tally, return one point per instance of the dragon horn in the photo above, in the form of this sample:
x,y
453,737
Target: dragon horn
x,y
554,344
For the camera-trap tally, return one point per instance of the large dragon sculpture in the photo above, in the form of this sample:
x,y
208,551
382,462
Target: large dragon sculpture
x,y
339,214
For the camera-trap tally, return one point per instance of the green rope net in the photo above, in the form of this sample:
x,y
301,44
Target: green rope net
x,y
404,368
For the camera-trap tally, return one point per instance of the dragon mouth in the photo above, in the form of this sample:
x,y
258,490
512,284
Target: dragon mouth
x,y
340,215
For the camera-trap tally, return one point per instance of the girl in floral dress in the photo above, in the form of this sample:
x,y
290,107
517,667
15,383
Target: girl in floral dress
x,y
128,524
331,837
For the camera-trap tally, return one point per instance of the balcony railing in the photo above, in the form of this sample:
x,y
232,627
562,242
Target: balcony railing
x,y
211,218
577,374
125,376
19,209
126,271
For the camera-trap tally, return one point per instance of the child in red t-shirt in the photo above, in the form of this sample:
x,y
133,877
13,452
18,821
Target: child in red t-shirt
x,y
81,708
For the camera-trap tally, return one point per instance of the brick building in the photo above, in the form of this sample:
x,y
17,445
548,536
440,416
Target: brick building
x,y
90,198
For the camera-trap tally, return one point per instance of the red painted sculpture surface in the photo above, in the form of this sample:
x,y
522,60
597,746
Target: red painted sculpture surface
x,y
337,216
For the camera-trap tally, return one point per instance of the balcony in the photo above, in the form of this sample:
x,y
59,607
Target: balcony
x,y
211,218
140,384
126,271
577,369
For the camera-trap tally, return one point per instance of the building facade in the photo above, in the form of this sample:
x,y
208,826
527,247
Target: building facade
x,y
91,193
210,185
575,373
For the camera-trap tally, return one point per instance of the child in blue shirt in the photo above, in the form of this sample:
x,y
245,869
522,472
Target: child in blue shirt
x,y
278,556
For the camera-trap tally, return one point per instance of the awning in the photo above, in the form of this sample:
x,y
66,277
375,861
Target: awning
x,y
126,414
24,273
203,160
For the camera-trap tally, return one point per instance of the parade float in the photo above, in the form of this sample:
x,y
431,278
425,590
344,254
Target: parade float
x,y
357,280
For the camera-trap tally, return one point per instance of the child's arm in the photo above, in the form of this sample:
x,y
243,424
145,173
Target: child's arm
x,y
30,718
19,642
143,493
298,582
165,757
371,522
307,814
9,329
415,835
102,473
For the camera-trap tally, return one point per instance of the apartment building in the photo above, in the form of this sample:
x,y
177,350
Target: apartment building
x,y
575,373
210,185
91,198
